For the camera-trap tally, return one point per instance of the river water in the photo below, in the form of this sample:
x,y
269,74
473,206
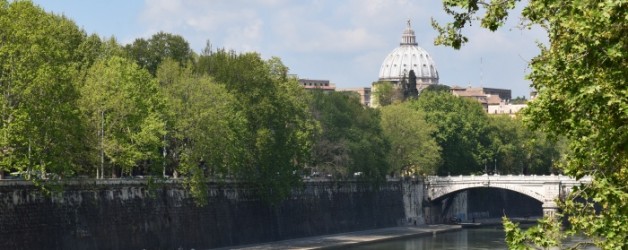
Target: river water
x,y
477,238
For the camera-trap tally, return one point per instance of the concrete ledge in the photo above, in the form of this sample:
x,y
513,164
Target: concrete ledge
x,y
339,241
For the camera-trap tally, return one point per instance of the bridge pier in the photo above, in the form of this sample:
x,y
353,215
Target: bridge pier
x,y
550,208
551,193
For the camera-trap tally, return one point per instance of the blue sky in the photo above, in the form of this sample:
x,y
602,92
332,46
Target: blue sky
x,y
344,41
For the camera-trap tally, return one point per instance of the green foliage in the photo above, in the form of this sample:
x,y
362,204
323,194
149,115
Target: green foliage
x,y
385,93
581,82
464,13
413,150
203,127
438,88
516,149
599,212
544,235
64,92
331,153
350,139
519,100
279,128
149,53
39,60
461,131
123,107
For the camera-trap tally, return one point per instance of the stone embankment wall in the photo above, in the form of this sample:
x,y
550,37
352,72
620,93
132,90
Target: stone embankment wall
x,y
119,214
415,202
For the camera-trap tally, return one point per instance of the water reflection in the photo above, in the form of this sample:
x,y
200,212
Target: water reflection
x,y
479,238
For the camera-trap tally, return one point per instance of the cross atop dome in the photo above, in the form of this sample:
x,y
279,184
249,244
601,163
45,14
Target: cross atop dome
x,y
408,37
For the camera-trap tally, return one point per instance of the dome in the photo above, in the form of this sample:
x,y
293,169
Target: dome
x,y
409,56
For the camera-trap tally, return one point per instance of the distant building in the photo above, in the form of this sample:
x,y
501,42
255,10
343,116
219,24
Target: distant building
x,y
408,56
504,108
472,93
533,94
494,101
364,92
324,85
502,94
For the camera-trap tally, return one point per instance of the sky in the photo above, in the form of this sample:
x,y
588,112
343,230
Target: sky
x,y
343,41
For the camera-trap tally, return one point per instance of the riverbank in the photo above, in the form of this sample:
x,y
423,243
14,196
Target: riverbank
x,y
337,241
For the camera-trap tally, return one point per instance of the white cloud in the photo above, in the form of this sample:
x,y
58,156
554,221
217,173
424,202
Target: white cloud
x,y
247,38
343,41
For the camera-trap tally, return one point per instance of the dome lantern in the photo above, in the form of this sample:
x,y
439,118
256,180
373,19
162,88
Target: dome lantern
x,y
408,37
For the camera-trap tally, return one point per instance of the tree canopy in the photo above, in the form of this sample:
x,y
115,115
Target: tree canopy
x,y
413,149
279,128
39,62
149,53
350,140
385,93
461,131
123,107
581,78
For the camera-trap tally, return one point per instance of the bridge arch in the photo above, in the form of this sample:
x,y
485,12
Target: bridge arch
x,y
528,193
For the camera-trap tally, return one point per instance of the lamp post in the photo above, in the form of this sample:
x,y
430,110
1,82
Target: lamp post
x,y
495,171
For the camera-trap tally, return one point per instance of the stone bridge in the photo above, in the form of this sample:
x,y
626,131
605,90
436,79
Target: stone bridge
x,y
544,188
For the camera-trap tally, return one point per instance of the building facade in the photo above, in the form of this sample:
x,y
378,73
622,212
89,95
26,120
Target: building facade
x,y
323,85
364,92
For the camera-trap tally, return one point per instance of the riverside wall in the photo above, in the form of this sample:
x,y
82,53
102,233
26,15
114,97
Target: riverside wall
x,y
127,214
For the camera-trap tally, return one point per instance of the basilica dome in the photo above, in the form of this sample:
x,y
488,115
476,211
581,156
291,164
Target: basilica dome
x,y
409,56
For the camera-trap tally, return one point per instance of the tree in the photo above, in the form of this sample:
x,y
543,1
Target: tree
x,y
582,95
519,150
413,150
123,107
350,139
331,154
519,100
94,48
39,124
411,92
150,53
203,127
278,135
385,93
461,131
438,87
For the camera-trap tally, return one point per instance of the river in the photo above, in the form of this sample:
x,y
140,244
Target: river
x,y
477,238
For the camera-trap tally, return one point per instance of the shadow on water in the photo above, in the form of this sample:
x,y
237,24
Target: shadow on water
x,y
476,238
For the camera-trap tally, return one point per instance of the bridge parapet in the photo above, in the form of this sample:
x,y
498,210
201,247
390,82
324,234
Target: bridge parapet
x,y
507,178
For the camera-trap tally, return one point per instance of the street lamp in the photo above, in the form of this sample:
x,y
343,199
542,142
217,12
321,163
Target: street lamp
x,y
495,171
